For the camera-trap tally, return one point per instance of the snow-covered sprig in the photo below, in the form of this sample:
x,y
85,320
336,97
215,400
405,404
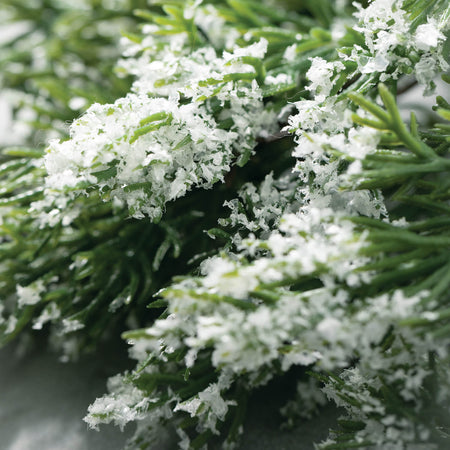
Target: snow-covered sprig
x,y
144,152
241,318
185,130
82,278
399,37
318,293
257,210
391,401
305,300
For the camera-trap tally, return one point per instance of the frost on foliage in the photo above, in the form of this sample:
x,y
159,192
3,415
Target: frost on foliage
x,y
50,313
143,151
300,329
242,310
259,208
320,75
296,284
401,373
312,329
246,340
30,295
125,404
208,405
393,47
322,130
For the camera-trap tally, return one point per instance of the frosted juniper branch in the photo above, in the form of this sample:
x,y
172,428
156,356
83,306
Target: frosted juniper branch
x,y
200,309
68,217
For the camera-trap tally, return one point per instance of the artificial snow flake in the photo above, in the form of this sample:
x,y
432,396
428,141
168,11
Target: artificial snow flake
x,y
428,36
31,294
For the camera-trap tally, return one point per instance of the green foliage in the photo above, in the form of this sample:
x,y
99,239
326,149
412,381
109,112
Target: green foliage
x,y
243,192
